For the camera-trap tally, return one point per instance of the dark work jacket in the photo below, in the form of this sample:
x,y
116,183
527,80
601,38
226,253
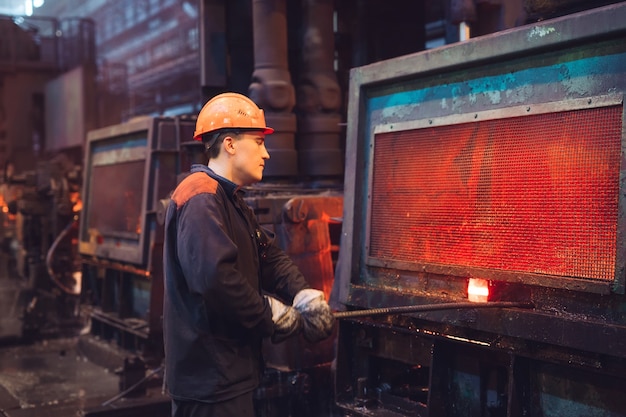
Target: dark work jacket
x,y
217,260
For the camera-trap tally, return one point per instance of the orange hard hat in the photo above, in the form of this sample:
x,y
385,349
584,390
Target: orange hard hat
x,y
230,111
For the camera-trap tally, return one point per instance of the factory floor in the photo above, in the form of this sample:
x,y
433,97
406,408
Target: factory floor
x,y
52,365
54,378
54,374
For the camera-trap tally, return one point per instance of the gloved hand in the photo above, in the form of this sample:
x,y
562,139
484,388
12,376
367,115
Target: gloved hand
x,y
317,318
287,320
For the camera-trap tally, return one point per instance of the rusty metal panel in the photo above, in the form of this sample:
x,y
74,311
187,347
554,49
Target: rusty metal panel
x,y
128,167
70,108
528,75
534,193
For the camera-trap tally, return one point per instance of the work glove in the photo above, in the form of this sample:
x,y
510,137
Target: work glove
x,y
287,320
317,317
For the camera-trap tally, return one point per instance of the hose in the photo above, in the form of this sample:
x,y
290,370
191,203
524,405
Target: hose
x,y
51,252
429,307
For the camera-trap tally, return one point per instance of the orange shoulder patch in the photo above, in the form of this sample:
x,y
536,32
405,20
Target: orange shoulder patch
x,y
192,185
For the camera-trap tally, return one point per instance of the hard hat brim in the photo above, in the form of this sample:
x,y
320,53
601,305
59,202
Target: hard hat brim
x,y
266,131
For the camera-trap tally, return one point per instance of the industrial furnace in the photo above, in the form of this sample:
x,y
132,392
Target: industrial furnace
x,y
490,170
129,168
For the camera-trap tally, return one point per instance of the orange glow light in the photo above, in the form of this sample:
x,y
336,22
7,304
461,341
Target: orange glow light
x,y
478,290
77,202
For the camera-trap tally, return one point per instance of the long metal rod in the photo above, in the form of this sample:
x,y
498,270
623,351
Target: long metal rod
x,y
429,307
135,385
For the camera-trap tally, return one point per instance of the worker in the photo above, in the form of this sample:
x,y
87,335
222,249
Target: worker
x,y
227,282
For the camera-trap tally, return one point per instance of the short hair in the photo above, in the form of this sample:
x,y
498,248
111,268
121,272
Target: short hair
x,y
213,140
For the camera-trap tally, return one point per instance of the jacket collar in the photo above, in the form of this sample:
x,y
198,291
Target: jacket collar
x,y
230,187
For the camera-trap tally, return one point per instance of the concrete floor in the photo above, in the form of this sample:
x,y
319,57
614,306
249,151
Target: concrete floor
x,y
54,374
51,377
51,365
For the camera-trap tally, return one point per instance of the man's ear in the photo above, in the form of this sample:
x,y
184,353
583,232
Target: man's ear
x,y
228,144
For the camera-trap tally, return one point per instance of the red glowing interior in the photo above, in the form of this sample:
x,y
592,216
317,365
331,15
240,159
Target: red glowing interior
x,y
535,194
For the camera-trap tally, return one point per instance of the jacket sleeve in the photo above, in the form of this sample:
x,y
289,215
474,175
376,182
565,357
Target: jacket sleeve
x,y
279,274
208,255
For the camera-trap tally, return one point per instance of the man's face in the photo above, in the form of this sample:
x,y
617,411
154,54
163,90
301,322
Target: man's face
x,y
249,158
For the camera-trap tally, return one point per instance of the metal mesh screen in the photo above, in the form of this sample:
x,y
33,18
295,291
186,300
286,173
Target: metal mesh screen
x,y
534,194
114,213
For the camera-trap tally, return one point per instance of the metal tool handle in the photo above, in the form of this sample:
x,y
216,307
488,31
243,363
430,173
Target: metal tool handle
x,y
429,307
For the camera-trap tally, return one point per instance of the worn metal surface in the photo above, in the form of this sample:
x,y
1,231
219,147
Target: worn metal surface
x,y
56,378
129,167
580,57
566,355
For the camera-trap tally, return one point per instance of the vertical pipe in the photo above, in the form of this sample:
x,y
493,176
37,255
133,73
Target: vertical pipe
x,y
319,95
461,12
271,86
212,47
464,31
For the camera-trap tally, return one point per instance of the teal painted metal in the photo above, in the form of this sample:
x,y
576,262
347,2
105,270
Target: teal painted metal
x,y
586,77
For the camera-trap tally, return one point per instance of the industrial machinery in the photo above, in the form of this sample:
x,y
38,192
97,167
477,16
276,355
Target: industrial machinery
x,y
487,170
491,171
39,225
130,170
